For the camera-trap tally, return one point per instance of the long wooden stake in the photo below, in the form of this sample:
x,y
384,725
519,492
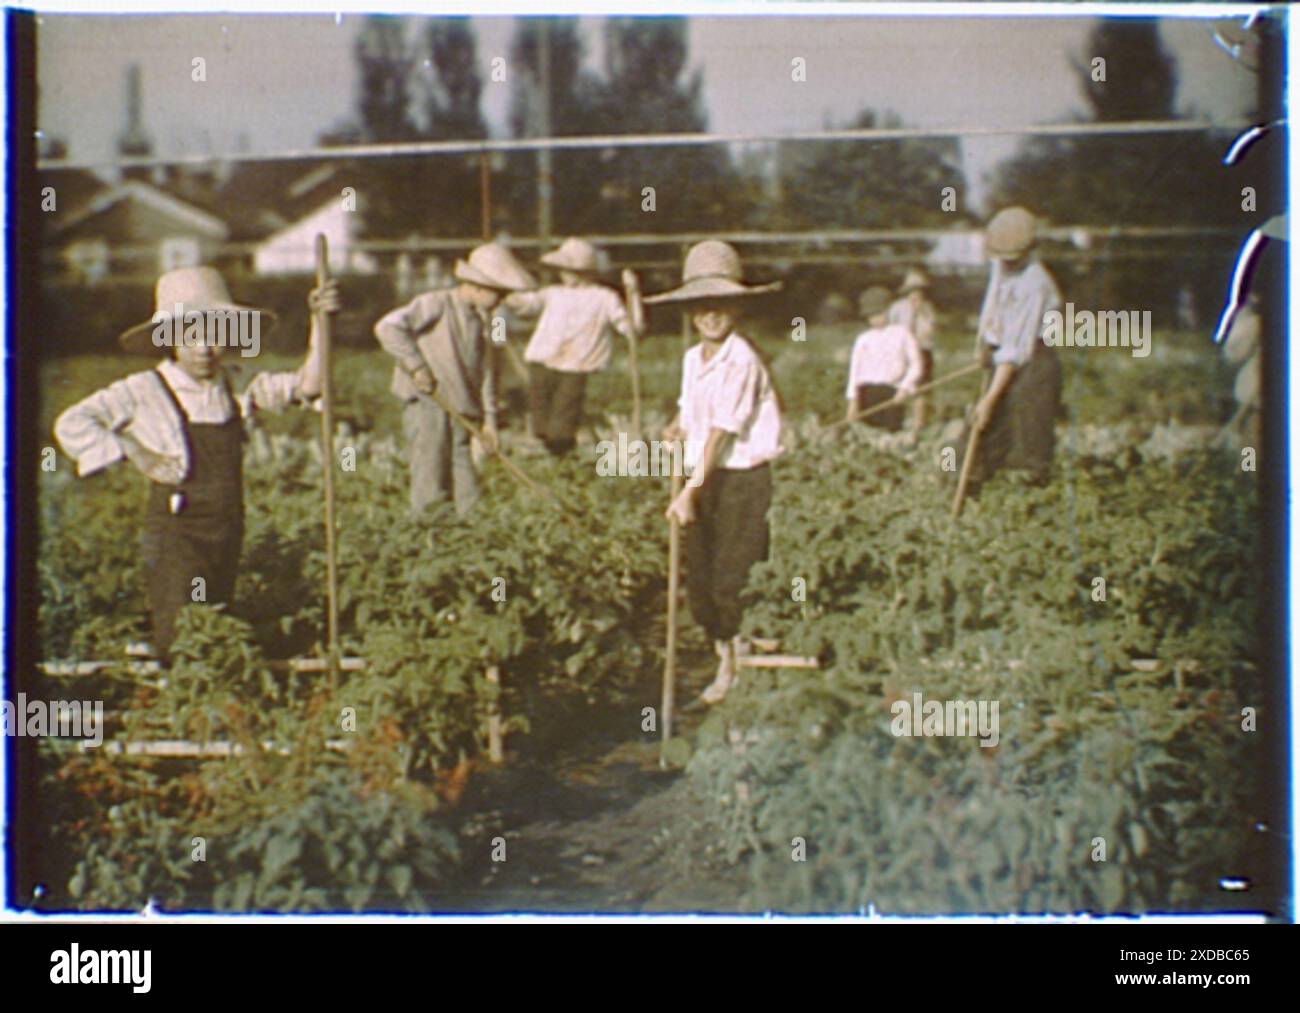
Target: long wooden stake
x,y
670,652
956,374
323,335
635,370
972,448
500,455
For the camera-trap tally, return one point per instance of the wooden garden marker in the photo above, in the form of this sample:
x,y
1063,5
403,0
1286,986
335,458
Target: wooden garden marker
x,y
327,460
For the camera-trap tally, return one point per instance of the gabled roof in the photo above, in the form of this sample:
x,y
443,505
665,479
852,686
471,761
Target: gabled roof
x,y
155,198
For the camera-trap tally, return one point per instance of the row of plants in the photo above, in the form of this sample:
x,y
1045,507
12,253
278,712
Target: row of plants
x,y
333,800
1120,704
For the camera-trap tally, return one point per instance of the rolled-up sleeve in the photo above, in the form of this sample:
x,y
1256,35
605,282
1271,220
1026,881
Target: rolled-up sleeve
x,y
618,316
912,355
86,431
737,398
272,392
397,331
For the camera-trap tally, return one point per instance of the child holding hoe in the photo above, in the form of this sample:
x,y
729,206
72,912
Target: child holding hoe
x,y
731,422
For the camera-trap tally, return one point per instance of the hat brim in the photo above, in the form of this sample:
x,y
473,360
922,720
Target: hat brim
x,y
551,260
465,271
138,340
1008,253
914,287
710,290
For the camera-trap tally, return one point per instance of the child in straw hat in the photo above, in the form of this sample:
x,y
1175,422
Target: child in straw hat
x,y
439,344
181,425
731,422
1018,411
572,338
914,311
885,366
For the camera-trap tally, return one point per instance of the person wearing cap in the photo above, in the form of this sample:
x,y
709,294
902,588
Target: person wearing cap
x,y
572,338
182,426
886,364
914,311
439,344
730,420
1017,413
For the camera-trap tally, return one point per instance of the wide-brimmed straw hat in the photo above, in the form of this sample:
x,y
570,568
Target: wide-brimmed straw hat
x,y
1010,234
493,266
914,281
182,291
574,255
711,271
875,300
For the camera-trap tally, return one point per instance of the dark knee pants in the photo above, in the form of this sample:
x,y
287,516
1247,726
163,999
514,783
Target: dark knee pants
x,y
1022,434
555,403
729,536
175,552
871,394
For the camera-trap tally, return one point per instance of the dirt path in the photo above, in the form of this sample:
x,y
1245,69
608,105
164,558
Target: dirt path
x,y
591,824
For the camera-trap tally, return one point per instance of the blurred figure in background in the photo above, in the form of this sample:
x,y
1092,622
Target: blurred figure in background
x,y
914,311
1241,349
886,364
439,343
1017,412
572,339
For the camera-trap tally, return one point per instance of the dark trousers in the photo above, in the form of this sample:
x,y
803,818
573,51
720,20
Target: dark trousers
x,y
1021,435
729,535
872,394
175,552
555,404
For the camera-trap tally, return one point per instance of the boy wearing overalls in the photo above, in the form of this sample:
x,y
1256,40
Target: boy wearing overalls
x,y
182,426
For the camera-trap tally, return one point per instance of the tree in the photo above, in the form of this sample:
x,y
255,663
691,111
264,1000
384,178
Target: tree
x,y
1127,75
647,89
570,108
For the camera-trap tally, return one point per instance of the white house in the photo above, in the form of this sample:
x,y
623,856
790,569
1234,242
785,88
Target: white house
x,y
292,249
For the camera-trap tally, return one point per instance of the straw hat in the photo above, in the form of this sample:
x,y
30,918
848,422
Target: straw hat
x,y
192,289
915,280
874,301
574,255
493,266
1010,234
711,271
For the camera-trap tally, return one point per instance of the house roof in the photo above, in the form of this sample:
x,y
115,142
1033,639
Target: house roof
x,y
159,200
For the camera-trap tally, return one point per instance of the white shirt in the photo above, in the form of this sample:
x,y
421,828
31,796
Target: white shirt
x,y
573,332
139,405
733,392
1015,305
885,355
918,319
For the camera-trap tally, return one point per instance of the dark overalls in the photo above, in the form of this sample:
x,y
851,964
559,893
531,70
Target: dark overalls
x,y
196,529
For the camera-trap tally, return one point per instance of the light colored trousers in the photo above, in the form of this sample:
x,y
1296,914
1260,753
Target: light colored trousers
x,y
438,451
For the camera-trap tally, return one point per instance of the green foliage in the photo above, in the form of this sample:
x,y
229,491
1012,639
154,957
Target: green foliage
x,y
998,608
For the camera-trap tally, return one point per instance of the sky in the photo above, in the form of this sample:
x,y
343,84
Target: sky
x,y
275,82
